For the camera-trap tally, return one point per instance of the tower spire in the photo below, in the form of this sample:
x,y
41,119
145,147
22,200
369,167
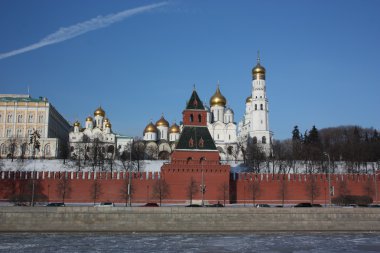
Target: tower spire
x,y
258,56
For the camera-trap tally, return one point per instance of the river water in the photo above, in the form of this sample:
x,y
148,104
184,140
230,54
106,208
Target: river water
x,y
218,243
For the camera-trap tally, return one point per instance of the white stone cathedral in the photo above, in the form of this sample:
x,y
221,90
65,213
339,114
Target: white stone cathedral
x,y
255,123
220,123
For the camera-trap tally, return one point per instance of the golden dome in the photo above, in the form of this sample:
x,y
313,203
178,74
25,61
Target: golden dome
x,y
162,122
218,98
174,129
76,123
99,112
150,128
89,118
106,120
248,100
258,72
108,124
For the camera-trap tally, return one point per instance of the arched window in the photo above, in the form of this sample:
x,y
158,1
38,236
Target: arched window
x,y
30,118
191,117
10,118
19,118
254,140
3,149
202,160
199,118
255,107
189,159
263,140
261,107
47,150
19,133
9,132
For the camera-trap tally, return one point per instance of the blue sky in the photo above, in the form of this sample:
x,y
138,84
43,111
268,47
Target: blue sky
x,y
322,59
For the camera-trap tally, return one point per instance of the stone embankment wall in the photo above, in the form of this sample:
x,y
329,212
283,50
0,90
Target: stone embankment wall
x,y
182,219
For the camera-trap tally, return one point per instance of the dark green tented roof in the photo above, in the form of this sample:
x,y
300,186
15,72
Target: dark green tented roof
x,y
196,137
195,103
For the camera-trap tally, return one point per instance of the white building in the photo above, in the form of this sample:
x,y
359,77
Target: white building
x,y
255,123
160,139
20,115
221,125
97,131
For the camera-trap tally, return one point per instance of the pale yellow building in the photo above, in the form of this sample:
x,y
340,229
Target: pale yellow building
x,y
20,115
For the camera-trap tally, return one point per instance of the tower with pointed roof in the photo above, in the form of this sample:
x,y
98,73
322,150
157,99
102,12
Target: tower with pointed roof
x,y
255,123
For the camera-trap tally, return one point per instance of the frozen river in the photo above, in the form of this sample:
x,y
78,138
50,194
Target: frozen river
x,y
218,243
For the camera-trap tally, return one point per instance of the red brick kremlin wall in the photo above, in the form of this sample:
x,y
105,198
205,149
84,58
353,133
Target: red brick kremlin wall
x,y
178,177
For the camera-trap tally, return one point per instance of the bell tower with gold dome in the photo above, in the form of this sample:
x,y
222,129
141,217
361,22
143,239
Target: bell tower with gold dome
x,y
255,123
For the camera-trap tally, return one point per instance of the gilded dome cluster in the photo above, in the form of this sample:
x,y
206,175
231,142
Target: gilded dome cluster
x,y
162,122
218,98
150,128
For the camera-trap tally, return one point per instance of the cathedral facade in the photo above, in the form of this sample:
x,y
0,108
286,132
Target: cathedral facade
x,y
96,134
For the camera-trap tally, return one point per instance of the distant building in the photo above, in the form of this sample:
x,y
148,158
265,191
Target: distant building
x,y
20,115
97,132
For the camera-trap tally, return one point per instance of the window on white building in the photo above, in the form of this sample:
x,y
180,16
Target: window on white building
x,y
3,149
19,133
30,131
41,119
10,118
263,140
30,118
261,107
9,132
19,118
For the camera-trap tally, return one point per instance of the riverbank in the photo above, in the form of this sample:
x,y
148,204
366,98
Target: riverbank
x,y
182,219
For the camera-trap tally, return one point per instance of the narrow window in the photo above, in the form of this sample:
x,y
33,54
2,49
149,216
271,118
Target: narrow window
x,y
10,118
264,140
261,107
254,140
40,119
30,119
191,118
19,118
199,118
255,107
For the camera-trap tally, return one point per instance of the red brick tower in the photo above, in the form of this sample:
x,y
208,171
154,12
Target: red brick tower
x,y
196,158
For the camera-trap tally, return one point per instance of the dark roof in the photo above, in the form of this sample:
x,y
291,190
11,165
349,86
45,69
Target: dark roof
x,y
195,103
196,137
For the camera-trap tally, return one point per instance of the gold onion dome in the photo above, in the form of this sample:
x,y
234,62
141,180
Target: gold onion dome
x,y
248,100
150,128
258,72
99,112
76,123
174,129
89,118
162,122
218,98
108,124
106,120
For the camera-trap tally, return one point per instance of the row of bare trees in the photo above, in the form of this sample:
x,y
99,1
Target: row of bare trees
x,y
358,149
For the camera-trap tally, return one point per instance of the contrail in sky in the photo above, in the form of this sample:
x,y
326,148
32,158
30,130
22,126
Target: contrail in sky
x,y
73,31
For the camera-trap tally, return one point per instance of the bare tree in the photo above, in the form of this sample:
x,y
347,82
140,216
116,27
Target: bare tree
x,y
254,188
312,188
255,156
191,189
283,189
224,190
161,190
12,143
96,190
64,187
